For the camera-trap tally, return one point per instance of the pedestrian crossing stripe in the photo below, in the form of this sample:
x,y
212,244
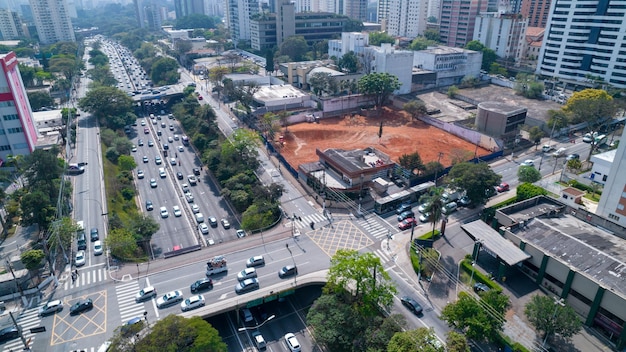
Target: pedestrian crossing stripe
x,y
373,227
86,277
382,255
126,301
306,221
27,320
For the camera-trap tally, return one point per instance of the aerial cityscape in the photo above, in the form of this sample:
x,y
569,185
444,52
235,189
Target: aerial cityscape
x,y
245,175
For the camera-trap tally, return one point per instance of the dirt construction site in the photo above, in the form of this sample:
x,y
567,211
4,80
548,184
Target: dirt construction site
x,y
400,135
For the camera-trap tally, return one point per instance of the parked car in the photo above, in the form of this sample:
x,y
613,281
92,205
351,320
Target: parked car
x,y
425,217
80,258
169,299
480,287
465,201
97,248
82,305
201,285
423,207
406,223
411,304
192,302
51,308
502,187
449,208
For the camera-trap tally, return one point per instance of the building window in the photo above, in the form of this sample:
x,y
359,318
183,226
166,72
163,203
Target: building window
x,y
5,147
20,146
15,130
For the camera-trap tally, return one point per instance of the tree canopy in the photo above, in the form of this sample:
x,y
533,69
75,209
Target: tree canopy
x,y
196,20
591,106
164,71
380,86
349,62
489,56
475,179
418,340
377,38
528,174
551,317
110,105
295,47
415,108
363,278
480,319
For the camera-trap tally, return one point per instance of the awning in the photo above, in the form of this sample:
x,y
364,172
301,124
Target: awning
x,y
491,240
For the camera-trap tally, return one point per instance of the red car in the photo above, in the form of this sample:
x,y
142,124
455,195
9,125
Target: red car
x,y
200,97
503,187
406,223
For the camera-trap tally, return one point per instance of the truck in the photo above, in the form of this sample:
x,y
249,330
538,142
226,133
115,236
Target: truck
x,y
216,265
451,195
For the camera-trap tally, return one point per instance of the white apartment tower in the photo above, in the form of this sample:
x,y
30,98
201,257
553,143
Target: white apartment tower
x,y
612,203
52,21
407,18
238,18
10,25
585,38
503,33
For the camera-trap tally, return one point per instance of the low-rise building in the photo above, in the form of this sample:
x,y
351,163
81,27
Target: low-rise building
x,y
503,33
602,166
350,41
499,119
450,64
386,59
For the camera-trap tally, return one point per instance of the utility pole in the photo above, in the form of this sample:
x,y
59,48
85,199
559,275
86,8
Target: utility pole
x,y
26,343
24,302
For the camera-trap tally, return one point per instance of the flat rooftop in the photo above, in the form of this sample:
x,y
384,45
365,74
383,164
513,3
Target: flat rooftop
x,y
590,250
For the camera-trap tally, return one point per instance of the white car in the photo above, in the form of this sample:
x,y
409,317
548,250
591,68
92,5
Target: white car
x,y
80,258
177,212
51,308
528,162
204,229
169,299
192,302
247,273
292,343
181,148
173,161
97,248
195,208
140,174
189,197
133,148
164,212
143,122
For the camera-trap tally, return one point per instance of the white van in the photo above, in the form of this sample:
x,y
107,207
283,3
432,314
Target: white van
x,y
559,152
199,218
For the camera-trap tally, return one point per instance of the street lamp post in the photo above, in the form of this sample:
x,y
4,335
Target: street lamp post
x,y
294,264
557,303
245,328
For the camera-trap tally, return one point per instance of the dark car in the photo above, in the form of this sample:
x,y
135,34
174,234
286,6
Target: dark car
x,y
196,171
81,306
179,175
201,285
94,234
572,157
480,287
9,333
405,215
287,271
411,304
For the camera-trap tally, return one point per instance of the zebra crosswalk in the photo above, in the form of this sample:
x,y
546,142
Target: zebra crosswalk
x,y
27,320
374,227
86,277
126,301
307,220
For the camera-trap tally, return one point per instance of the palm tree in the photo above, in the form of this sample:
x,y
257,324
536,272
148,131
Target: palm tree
x,y
435,206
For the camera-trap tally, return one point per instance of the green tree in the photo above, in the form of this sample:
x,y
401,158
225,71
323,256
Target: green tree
x,y
295,47
319,82
164,71
39,100
349,62
122,244
377,38
551,317
101,76
412,162
574,165
363,278
528,174
269,61
143,227
415,108
242,143
175,333
535,134
480,320
497,69
37,208
432,34
557,119
32,259
126,162
456,342
435,205
489,56
110,105
452,91
528,190
380,86
591,106
474,179
196,20
421,43
418,340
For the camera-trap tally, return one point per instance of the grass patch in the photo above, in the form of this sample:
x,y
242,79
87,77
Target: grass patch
x,y
430,235
466,274
116,204
592,197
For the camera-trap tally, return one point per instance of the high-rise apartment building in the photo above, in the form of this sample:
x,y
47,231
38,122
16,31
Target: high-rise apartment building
x,y
503,33
238,16
355,9
407,18
10,25
585,39
18,135
536,11
188,7
612,203
52,21
457,20
382,14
